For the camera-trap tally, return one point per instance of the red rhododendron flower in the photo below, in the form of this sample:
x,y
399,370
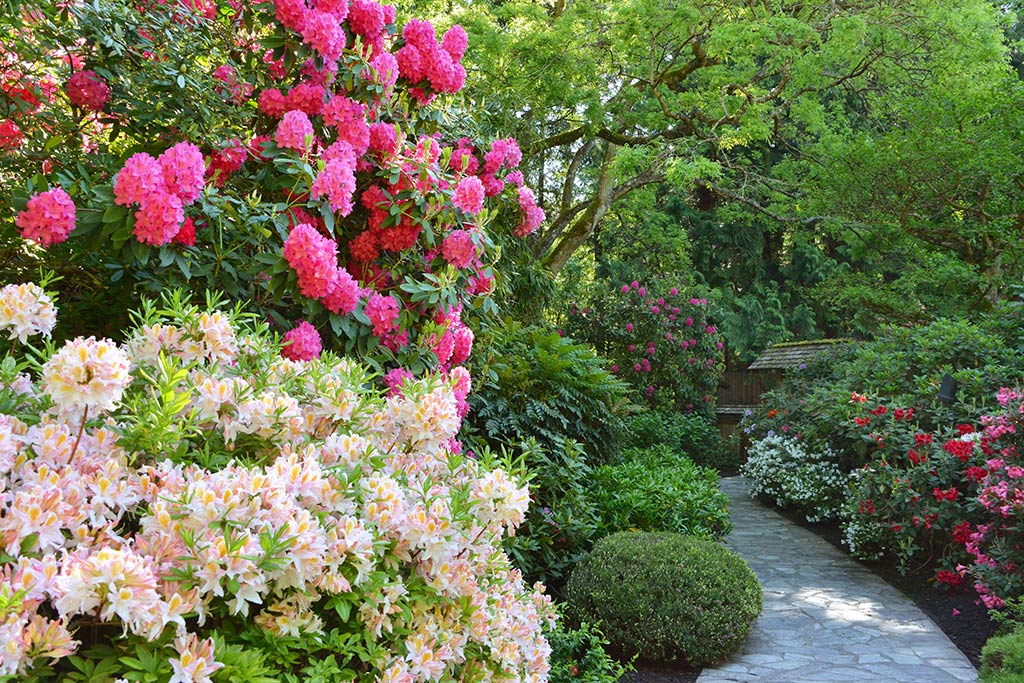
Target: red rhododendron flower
x,y
88,90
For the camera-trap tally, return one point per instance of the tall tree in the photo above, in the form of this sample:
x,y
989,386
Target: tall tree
x,y
761,104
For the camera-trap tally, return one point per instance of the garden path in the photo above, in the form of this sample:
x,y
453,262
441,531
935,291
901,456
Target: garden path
x,y
826,618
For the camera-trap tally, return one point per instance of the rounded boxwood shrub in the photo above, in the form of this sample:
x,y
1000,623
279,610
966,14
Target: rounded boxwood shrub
x,y
1002,658
666,597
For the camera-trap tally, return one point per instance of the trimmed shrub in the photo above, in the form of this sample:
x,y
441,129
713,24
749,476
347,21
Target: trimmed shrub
x,y
666,597
656,489
1002,658
578,655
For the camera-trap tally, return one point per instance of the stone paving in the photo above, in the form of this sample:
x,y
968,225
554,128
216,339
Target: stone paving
x,y
826,618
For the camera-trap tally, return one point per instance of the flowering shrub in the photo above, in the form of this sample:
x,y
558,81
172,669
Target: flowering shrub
x,y
306,168
192,503
664,344
915,490
997,545
793,475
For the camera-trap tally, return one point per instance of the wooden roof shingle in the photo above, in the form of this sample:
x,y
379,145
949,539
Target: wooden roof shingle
x,y
784,356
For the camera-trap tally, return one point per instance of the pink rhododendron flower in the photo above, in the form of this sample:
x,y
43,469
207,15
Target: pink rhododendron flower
x,y
469,195
307,98
455,41
338,182
463,337
458,248
533,215
183,171
291,13
304,343
88,90
272,103
366,18
344,293
314,259
394,380
158,219
324,34
48,218
140,176
382,312
293,131
384,139
336,8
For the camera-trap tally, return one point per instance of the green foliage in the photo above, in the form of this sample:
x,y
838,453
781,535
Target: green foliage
x,y
533,383
666,597
561,523
658,489
578,656
693,436
1002,658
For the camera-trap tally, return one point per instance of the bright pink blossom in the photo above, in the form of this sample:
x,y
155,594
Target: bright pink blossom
x,y
158,219
469,195
344,293
458,248
323,33
382,312
294,131
48,218
314,259
304,343
183,169
140,176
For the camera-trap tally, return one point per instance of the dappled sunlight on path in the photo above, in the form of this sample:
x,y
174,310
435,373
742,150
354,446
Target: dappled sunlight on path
x,y
826,618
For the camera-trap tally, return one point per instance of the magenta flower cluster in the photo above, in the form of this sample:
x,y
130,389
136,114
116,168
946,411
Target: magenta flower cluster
x,y
665,346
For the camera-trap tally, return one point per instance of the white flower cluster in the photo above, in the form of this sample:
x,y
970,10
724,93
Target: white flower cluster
x,y
784,470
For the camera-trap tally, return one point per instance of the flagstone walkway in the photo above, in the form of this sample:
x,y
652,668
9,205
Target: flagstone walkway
x,y
826,618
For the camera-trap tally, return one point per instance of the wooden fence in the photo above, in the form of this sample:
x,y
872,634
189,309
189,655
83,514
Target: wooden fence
x,y
744,387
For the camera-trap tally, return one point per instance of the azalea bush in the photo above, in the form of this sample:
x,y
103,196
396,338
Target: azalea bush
x,y
298,155
794,474
664,344
191,504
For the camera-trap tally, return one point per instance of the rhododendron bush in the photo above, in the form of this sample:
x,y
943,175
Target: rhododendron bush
x,y
305,155
949,498
663,343
192,505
